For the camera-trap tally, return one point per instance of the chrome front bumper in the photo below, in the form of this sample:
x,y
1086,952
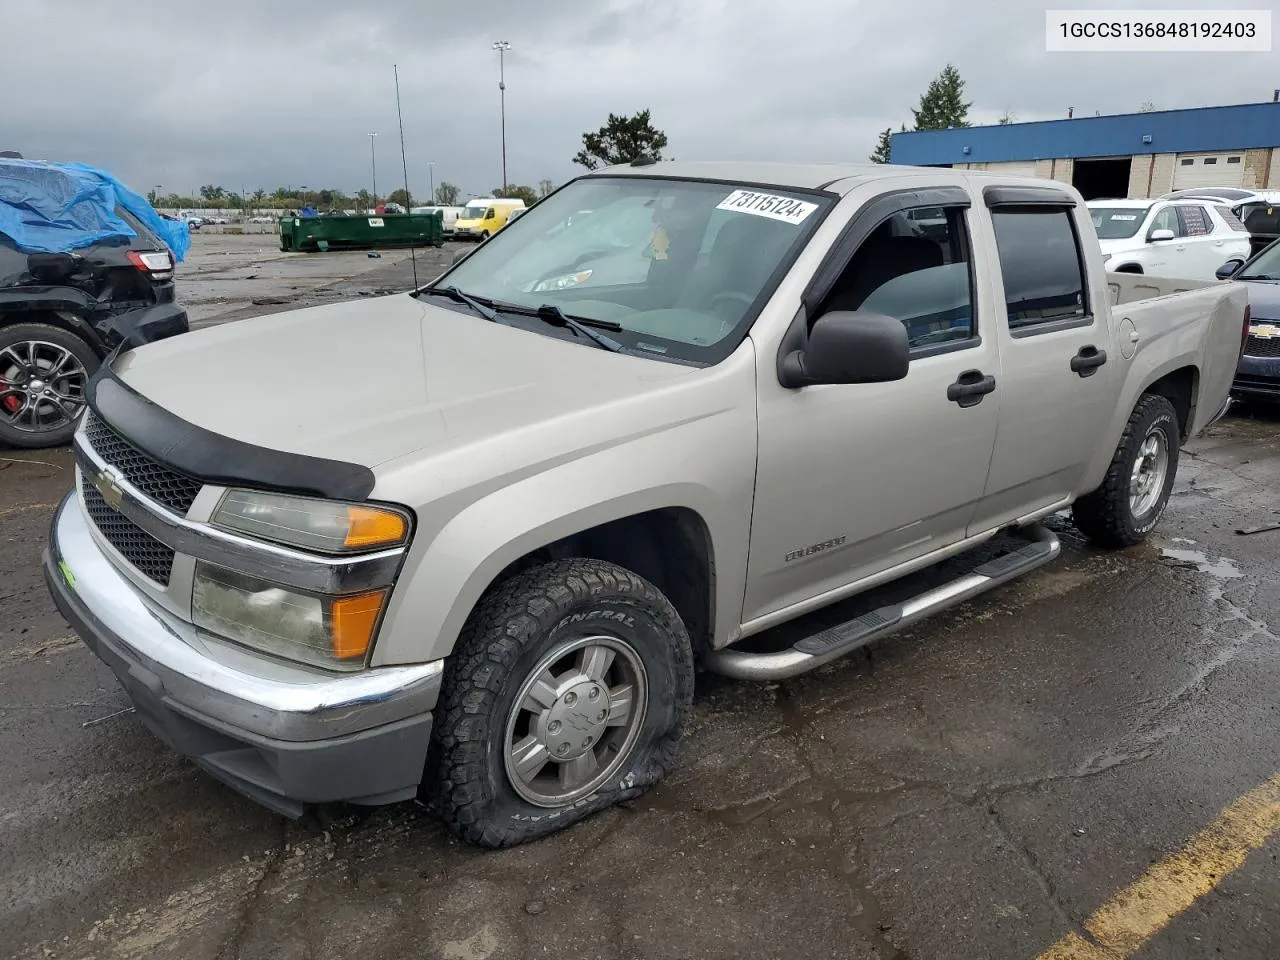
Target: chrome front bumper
x,y
283,735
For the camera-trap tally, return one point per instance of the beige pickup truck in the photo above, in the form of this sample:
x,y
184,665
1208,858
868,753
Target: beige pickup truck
x,y
472,540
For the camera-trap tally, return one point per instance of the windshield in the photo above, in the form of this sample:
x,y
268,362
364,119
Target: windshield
x,y
677,265
473,211
1117,223
1265,266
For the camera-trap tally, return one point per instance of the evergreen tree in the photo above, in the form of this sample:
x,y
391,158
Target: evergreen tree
x,y
941,106
883,146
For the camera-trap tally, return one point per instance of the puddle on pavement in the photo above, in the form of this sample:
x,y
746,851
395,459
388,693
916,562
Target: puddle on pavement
x,y
1220,568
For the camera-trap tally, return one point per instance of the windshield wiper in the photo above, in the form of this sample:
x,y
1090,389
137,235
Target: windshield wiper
x,y
553,315
457,296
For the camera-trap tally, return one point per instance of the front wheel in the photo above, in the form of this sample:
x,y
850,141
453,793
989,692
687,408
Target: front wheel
x,y
568,692
1124,510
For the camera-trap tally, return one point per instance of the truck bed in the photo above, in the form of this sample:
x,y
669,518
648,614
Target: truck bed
x,y
1177,324
1129,287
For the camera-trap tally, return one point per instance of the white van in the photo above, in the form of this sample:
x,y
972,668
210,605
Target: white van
x,y
450,214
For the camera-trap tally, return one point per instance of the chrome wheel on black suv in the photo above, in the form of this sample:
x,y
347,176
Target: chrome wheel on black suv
x,y
44,373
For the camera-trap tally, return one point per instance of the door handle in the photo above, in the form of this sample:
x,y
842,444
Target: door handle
x,y
1088,360
970,387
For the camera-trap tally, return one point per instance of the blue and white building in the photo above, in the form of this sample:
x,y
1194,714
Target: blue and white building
x,y
1128,155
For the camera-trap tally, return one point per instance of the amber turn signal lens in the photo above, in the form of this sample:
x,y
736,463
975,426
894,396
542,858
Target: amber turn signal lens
x,y
370,527
352,622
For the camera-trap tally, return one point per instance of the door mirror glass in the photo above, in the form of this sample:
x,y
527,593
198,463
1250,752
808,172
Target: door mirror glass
x,y
848,347
1157,235
1229,269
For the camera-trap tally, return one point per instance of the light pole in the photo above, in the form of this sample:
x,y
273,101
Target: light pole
x,y
373,158
303,189
502,47
431,173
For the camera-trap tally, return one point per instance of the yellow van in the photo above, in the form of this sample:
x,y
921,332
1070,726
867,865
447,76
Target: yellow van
x,y
483,217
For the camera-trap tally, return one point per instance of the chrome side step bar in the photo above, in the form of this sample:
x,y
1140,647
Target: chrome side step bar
x,y
821,648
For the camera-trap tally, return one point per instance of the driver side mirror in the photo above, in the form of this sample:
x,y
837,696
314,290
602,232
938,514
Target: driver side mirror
x,y
1229,269
1157,235
848,347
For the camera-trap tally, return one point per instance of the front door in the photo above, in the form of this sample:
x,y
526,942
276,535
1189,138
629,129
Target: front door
x,y
855,479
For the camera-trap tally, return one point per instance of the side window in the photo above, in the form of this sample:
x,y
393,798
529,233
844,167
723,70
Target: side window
x,y
914,266
1041,266
489,214
1167,219
1195,221
1232,220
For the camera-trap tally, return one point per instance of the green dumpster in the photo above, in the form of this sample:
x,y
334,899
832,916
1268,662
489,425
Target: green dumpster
x,y
362,233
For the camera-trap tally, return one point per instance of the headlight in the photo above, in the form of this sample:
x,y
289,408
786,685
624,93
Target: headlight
x,y
326,526
562,283
331,632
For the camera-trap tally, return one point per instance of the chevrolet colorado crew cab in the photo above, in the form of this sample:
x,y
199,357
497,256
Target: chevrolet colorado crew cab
x,y
484,565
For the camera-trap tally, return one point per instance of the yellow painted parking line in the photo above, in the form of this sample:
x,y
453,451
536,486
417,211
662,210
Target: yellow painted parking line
x,y
1136,914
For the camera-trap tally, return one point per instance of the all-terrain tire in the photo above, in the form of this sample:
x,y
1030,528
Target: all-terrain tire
x,y
1105,515
511,631
77,347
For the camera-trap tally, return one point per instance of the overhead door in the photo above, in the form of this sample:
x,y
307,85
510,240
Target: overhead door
x,y
1025,168
1208,170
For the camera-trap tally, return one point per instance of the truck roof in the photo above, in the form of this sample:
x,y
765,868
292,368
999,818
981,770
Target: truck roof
x,y
797,176
837,178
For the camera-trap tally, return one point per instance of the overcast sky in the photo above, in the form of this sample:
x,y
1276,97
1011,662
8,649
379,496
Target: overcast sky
x,y
262,93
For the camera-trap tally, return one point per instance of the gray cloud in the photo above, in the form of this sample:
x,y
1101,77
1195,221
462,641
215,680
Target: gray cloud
x,y
243,92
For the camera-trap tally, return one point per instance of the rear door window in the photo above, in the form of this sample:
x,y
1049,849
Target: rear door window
x,y
1042,268
1195,221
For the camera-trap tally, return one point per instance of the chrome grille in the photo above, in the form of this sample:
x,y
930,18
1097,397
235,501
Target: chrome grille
x,y
151,557
172,490
1262,347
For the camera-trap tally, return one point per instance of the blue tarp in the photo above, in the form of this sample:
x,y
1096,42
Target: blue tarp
x,y
48,207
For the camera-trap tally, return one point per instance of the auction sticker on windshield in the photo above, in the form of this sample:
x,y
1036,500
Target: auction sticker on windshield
x,y
769,205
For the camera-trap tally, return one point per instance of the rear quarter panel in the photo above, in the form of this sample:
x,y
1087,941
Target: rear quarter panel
x,y
1195,324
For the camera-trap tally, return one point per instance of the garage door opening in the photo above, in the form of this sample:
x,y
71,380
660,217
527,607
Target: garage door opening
x,y
1102,179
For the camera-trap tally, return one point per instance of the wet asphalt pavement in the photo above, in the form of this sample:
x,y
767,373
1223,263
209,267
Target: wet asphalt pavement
x,y
973,788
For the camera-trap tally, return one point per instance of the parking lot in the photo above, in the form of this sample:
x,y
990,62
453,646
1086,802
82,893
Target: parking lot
x,y
988,784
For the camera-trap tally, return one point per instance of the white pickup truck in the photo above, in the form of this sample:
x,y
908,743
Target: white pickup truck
x,y
472,540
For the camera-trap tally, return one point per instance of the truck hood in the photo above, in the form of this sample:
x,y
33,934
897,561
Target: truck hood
x,y
1264,300
1114,247
373,380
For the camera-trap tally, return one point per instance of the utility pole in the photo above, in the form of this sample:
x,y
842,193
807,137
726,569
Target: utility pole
x,y
373,159
502,47
431,173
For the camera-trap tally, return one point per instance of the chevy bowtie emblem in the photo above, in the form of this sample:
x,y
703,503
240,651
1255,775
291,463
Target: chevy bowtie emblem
x,y
1265,331
107,483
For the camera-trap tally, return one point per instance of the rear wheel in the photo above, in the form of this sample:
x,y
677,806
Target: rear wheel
x,y
44,376
568,692
1124,510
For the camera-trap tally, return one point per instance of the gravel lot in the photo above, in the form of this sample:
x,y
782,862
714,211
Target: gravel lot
x,y
973,788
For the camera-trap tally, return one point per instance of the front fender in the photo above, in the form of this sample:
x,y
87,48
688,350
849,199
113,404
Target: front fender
x,y
706,466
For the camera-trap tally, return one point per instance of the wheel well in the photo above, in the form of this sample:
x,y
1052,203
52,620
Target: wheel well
x,y
53,318
1179,388
1128,268
670,547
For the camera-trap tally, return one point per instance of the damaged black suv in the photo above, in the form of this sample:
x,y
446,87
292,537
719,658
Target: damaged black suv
x,y
62,313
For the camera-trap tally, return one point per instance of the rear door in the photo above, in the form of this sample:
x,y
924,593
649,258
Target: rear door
x,y
1060,382
1205,245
